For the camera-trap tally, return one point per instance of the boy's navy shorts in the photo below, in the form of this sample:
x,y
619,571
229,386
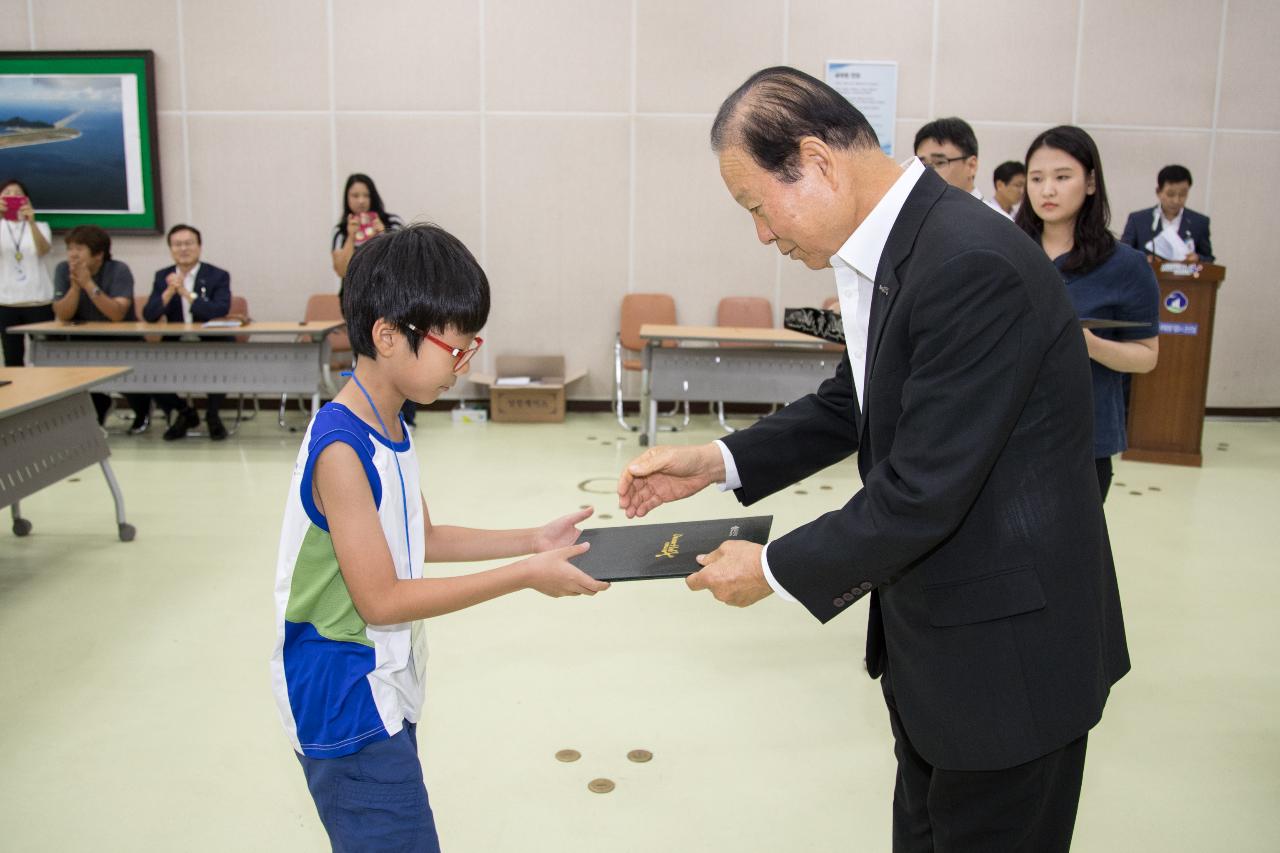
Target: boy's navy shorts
x,y
374,799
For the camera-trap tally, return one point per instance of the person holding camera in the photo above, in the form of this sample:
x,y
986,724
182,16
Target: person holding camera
x,y
26,288
363,217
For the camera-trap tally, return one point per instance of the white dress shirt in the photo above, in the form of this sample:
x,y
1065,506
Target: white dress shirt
x,y
855,264
1159,223
995,205
189,285
27,281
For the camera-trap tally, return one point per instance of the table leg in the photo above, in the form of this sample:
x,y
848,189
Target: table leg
x,y
648,406
21,527
127,531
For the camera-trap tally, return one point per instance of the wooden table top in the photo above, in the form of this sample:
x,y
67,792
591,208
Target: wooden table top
x,y
316,328
726,334
32,386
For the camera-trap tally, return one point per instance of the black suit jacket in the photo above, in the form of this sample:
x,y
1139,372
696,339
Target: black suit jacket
x,y
1138,231
979,532
213,296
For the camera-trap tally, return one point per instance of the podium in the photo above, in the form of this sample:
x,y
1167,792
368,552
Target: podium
x,y
1166,406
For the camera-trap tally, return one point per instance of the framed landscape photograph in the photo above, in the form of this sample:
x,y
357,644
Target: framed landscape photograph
x,y
78,129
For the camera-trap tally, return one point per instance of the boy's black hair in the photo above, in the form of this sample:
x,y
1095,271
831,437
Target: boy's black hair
x,y
1007,171
954,130
421,275
1173,175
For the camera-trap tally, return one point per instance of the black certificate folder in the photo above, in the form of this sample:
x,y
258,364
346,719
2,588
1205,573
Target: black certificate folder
x,y
649,551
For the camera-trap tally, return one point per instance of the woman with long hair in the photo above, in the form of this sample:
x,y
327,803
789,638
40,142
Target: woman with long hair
x,y
1067,213
26,285
364,216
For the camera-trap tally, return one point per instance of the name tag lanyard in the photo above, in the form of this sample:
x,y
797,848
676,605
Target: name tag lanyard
x,y
17,241
404,498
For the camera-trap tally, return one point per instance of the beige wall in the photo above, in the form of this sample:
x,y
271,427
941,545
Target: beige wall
x,y
565,140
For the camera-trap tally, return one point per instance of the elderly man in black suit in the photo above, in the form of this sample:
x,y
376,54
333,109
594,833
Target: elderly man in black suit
x,y
190,291
977,539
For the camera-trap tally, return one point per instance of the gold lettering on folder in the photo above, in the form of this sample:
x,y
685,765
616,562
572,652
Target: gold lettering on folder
x,y
672,548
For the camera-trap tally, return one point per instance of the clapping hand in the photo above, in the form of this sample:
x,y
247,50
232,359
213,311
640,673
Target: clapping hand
x,y
560,533
733,572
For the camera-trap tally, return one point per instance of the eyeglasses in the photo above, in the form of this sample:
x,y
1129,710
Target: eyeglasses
x,y
462,356
940,161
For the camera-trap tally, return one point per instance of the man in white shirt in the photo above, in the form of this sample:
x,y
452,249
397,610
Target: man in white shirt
x,y
1010,181
977,538
950,148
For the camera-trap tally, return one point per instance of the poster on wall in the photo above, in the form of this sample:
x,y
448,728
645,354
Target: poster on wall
x,y
872,87
78,129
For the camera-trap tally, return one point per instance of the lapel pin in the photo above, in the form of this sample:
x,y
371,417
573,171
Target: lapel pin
x,y
884,289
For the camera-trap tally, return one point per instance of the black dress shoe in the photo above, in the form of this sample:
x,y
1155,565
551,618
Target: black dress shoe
x,y
217,431
185,420
141,423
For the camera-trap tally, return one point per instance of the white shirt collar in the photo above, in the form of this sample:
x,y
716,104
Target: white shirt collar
x,y
1158,221
976,193
190,277
862,251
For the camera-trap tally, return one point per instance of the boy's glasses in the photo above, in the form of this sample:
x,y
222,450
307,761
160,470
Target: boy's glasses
x,y
462,356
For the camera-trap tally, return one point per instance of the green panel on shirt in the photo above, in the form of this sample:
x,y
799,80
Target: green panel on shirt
x,y
319,595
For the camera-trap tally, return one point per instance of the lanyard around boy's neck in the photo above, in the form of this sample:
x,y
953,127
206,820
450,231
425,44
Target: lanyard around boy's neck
x,y
404,498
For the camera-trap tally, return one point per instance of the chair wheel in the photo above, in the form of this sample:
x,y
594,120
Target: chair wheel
x,y
127,532
21,527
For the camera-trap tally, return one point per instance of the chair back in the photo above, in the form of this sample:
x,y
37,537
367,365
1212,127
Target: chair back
x,y
639,309
751,312
240,308
327,306
748,312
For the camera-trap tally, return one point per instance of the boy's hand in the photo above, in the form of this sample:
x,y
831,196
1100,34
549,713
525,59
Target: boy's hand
x,y
560,533
551,573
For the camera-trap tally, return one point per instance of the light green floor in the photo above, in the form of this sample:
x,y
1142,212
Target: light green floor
x,y
136,710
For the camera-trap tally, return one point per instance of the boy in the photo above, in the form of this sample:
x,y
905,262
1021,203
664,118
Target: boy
x,y
349,660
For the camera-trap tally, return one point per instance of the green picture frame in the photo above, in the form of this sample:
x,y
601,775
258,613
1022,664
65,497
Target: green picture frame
x,y
78,129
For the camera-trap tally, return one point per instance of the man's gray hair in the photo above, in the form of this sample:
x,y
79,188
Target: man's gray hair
x,y
775,108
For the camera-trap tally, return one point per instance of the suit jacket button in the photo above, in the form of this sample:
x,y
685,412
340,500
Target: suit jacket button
x,y
866,587
857,593
848,596
839,602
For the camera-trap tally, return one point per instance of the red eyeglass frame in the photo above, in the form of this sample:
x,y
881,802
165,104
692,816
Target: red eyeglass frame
x,y
463,356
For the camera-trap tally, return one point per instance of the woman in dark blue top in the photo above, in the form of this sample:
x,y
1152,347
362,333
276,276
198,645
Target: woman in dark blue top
x,y
1068,215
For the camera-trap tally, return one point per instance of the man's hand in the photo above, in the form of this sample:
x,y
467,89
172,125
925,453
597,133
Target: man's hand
x,y
664,474
79,274
560,533
733,572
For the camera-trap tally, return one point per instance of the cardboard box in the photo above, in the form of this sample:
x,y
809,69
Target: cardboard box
x,y
527,389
